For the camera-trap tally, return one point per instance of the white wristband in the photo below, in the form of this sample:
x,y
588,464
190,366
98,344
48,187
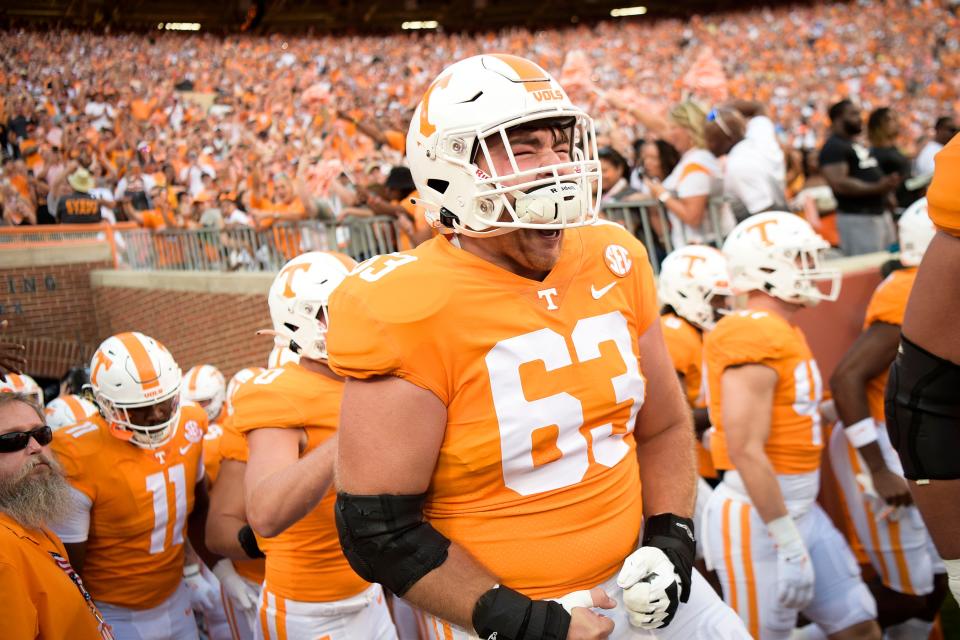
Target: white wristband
x,y
191,570
784,532
861,433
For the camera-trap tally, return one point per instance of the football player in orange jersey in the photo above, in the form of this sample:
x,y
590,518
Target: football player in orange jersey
x,y
227,530
922,405
692,286
867,467
774,548
494,430
137,483
289,417
204,385
22,383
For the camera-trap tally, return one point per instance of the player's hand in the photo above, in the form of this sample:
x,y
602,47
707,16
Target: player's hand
x,y
891,488
242,594
11,355
795,576
203,595
651,588
584,623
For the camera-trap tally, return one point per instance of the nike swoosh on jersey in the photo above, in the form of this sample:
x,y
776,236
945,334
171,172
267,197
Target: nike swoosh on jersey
x,y
183,450
599,293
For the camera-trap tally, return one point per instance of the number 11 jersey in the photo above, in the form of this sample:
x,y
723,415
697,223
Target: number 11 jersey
x,y
537,474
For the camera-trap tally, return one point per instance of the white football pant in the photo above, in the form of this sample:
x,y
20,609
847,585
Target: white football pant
x,y
900,549
703,617
171,619
363,616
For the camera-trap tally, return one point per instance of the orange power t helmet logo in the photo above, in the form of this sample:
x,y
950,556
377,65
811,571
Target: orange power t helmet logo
x,y
288,272
99,361
426,127
761,227
692,260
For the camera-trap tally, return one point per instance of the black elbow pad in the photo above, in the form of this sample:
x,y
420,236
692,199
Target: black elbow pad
x,y
386,540
922,407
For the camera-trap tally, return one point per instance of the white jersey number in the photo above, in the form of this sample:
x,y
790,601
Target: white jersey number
x,y
560,413
808,395
157,485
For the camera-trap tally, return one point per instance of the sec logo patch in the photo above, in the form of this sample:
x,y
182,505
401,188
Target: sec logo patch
x,y
193,432
618,260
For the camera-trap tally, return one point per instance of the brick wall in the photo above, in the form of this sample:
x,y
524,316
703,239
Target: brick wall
x,y
47,300
201,318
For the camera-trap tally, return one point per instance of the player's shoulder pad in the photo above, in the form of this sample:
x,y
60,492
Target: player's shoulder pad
x,y
272,399
394,288
79,446
748,336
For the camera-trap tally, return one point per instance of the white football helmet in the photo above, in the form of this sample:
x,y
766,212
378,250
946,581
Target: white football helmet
x,y
238,379
134,376
780,254
298,300
690,278
69,409
204,384
22,383
485,96
280,355
916,231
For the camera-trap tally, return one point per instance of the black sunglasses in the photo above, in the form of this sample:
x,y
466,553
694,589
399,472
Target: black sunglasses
x,y
18,440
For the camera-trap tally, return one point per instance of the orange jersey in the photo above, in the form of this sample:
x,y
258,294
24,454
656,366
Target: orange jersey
x,y
888,304
537,475
231,445
943,196
38,595
140,500
305,562
759,337
685,345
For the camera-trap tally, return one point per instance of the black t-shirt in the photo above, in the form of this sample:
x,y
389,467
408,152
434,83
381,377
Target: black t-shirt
x,y
78,208
861,165
892,161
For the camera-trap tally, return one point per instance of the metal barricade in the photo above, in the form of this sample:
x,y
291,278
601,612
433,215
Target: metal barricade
x,y
647,220
66,235
248,249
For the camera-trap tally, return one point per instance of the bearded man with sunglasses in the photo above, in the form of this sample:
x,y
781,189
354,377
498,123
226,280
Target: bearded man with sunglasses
x,y
137,482
40,593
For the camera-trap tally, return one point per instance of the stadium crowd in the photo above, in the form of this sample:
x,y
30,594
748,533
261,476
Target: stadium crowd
x,y
173,131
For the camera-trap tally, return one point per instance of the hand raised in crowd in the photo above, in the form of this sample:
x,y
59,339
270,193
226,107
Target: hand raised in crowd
x,y
12,354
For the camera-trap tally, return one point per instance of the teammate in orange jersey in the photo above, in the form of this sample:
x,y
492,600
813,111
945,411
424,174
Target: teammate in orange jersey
x,y
867,468
137,483
692,285
922,404
289,417
494,433
227,530
773,547
22,383
205,386
41,596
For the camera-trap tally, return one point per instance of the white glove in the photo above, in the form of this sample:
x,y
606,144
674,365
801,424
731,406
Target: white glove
x,y
953,577
242,594
795,576
651,587
203,595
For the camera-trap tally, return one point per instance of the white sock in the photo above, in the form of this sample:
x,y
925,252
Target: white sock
x,y
912,629
809,632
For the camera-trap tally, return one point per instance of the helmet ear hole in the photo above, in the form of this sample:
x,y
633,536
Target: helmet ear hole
x,y
291,326
440,186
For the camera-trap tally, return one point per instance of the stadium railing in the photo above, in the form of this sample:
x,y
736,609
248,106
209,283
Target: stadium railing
x,y
248,249
643,218
66,235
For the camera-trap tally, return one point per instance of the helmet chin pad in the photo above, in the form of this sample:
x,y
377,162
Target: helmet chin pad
x,y
551,204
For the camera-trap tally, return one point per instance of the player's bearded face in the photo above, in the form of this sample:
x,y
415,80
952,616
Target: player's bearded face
x,y
36,495
531,249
